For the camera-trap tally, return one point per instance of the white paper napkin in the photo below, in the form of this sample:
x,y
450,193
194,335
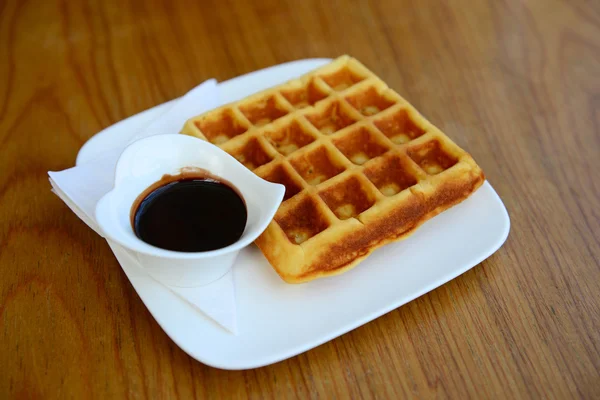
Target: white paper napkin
x,y
82,186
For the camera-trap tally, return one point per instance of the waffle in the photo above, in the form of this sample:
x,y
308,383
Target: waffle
x,y
361,166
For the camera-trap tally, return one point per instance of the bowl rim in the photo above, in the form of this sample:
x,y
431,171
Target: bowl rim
x,y
107,217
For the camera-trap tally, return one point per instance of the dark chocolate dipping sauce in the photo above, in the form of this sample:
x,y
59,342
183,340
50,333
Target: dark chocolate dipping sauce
x,y
189,214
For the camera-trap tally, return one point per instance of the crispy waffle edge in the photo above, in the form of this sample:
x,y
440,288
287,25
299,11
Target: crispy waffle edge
x,y
355,240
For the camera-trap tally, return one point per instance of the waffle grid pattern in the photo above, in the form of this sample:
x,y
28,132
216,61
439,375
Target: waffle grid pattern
x,y
348,149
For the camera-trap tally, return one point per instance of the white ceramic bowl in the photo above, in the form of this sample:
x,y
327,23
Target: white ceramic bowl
x,y
143,163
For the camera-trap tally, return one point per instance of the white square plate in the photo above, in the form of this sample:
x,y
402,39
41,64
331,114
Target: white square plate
x,y
277,320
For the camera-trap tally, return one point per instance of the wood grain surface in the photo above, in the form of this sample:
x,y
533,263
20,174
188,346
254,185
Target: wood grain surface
x,y
516,83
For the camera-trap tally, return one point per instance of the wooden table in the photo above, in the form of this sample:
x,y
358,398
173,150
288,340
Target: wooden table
x,y
517,83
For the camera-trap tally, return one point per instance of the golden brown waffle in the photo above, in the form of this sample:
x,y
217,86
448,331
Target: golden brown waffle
x,y
361,166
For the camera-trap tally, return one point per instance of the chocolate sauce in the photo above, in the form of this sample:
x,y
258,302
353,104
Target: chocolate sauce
x,y
189,213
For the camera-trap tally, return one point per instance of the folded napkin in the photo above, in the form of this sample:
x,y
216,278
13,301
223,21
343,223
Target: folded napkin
x,y
82,186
